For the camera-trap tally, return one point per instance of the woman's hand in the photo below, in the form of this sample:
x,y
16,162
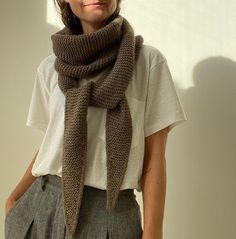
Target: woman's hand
x,y
21,187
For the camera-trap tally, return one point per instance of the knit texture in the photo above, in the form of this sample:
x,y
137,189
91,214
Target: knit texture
x,y
113,47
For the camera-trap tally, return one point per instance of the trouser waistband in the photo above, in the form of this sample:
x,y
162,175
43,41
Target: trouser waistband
x,y
55,180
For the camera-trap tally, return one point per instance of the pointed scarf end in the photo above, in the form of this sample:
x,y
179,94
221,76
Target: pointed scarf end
x,y
71,230
110,205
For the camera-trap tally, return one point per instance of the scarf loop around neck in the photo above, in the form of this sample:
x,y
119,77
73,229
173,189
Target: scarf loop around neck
x,y
79,56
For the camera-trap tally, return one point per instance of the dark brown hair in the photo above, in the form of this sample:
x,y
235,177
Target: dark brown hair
x,y
72,21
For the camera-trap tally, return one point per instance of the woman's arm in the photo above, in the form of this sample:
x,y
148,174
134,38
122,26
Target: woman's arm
x,y
154,184
21,187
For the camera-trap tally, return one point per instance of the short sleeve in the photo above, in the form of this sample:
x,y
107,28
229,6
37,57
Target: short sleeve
x,y
163,106
38,113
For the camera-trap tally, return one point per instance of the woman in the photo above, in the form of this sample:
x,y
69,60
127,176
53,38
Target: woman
x,y
106,103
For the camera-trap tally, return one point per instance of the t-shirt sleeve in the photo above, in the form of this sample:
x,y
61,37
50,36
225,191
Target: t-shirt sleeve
x,y
38,113
163,106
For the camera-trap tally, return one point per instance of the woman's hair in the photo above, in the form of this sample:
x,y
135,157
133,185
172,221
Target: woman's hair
x,y
72,21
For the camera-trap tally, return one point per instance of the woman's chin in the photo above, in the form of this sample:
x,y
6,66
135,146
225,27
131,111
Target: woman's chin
x,y
96,17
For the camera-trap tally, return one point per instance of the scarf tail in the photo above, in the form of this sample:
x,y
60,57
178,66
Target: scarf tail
x,y
118,149
74,155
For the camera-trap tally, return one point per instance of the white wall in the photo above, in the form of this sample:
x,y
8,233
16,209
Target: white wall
x,y
198,39
24,42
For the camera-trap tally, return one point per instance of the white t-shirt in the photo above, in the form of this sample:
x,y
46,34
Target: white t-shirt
x,y
154,105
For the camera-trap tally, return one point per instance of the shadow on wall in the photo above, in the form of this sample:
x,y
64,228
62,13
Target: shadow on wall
x,y
207,153
211,109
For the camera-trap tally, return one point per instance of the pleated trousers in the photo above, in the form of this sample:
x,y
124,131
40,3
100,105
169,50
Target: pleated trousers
x,y
39,214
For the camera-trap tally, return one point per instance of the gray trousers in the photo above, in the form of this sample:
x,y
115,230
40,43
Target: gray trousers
x,y
38,214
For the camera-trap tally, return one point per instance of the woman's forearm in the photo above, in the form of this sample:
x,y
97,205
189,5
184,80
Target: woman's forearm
x,y
154,190
24,183
154,185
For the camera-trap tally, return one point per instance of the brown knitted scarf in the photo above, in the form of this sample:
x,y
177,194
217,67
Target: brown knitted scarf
x,y
79,56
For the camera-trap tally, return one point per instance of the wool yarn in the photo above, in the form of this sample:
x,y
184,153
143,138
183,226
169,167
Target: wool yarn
x,y
79,56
